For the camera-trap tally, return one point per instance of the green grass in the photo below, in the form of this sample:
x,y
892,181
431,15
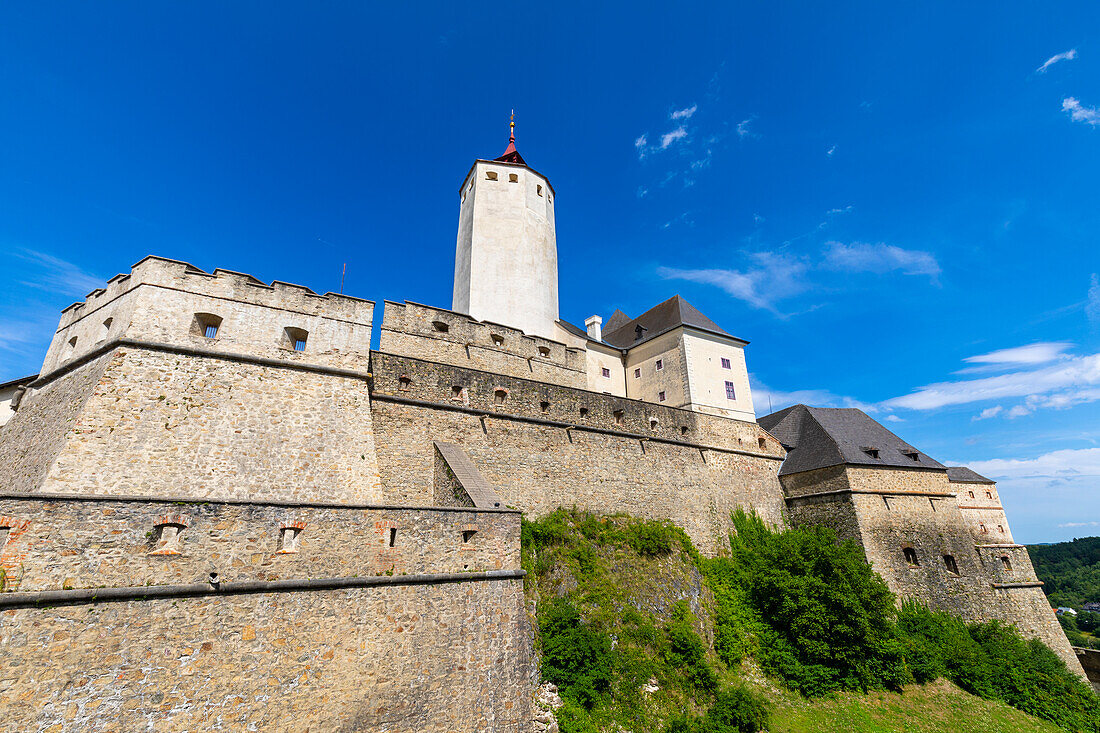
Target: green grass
x,y
939,707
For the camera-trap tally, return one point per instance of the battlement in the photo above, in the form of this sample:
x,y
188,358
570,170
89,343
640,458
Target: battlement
x,y
411,329
172,302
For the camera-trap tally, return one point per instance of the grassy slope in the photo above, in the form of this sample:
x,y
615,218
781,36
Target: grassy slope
x,y
939,707
603,575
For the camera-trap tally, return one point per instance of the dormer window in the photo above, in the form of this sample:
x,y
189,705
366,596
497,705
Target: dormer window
x,y
295,338
911,455
639,331
871,452
206,325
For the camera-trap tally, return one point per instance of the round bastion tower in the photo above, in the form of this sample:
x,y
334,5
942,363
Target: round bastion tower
x,y
506,261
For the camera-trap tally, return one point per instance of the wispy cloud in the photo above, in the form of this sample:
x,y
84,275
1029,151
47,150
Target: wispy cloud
x,y
987,413
55,274
766,400
879,259
1039,353
1070,381
894,418
743,128
769,278
1064,56
845,210
683,114
831,151
1066,463
1092,305
672,136
1070,525
1080,113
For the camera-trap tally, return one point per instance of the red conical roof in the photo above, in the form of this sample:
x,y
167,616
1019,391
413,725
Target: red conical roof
x,y
511,155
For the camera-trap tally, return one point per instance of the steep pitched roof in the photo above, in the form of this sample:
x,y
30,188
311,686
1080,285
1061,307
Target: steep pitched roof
x,y
617,320
964,475
659,319
818,437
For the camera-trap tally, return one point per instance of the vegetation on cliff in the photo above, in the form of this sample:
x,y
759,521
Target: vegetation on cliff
x,y
1070,571
641,633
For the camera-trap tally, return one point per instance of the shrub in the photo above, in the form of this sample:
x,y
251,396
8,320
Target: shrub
x,y
686,652
575,657
650,539
736,710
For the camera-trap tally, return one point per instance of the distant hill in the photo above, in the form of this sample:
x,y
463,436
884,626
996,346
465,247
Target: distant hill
x,y
1070,571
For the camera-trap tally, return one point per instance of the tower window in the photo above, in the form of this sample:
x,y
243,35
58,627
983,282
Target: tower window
x,y
762,442
637,373
660,396
606,372
725,363
584,412
971,494
404,381
490,175
296,338
652,423
983,528
910,556
440,327
950,564
1006,563
683,430
513,178
989,494
106,328
458,392
393,536
1001,528
660,364
468,534
544,350
72,344
731,393
544,406
538,189
498,340
500,395
618,417
206,325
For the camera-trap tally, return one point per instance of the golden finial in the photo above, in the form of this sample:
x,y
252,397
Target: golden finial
x,y
512,127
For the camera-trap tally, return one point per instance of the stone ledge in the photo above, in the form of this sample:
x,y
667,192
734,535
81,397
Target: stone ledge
x,y
35,599
1022,584
39,496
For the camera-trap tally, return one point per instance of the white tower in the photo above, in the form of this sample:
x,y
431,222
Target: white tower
x,y
506,262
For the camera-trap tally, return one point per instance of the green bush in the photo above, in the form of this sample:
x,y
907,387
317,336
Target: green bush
x,y
575,657
827,617
736,710
686,652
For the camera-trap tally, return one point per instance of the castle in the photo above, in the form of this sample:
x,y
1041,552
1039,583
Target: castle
x,y
219,508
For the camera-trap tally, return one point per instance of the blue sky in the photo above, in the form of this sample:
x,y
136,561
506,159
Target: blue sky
x,y
895,203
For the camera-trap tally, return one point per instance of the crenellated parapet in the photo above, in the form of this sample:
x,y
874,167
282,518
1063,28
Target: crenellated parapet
x,y
171,302
447,337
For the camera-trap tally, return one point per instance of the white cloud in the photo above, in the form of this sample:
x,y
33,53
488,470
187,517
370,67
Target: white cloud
x,y
1039,353
846,210
1092,305
831,151
57,275
1064,56
684,114
767,400
743,128
771,278
894,418
1073,380
1080,113
1066,463
1018,411
1067,525
880,258
672,136
988,413
640,142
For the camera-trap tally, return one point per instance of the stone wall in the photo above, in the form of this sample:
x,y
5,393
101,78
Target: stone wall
x,y
148,422
540,458
75,542
397,651
420,331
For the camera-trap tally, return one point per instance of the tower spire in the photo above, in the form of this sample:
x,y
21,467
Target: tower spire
x,y
511,155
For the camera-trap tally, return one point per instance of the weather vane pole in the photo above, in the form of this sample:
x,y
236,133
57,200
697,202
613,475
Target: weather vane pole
x,y
512,127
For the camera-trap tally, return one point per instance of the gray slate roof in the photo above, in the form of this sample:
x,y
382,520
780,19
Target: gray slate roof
x,y
818,437
964,475
617,320
659,319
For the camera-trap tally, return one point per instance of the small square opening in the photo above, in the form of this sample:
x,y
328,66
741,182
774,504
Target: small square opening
x,y
950,564
910,556
468,534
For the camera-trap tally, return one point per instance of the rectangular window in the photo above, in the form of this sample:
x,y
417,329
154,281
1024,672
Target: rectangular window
x,y
211,331
637,373
725,363
607,372
731,394
661,396
299,345
660,364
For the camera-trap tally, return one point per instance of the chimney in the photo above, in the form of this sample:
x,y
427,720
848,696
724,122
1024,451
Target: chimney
x,y
592,323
